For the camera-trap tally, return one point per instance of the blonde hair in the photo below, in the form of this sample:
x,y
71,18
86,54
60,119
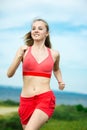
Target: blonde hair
x,y
28,38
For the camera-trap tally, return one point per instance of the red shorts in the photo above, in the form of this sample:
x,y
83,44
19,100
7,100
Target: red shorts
x,y
44,102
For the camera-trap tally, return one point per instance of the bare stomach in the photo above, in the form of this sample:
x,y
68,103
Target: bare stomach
x,y
33,85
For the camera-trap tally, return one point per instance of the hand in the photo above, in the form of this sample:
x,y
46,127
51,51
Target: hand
x,y
61,85
21,51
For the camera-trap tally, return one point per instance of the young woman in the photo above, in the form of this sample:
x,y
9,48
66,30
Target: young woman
x,y
37,100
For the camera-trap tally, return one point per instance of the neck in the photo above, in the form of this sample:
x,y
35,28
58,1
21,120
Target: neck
x,y
38,45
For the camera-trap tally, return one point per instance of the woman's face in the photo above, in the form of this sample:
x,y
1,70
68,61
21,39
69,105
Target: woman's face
x,y
39,31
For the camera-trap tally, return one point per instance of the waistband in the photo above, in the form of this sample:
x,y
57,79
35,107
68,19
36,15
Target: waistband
x,y
37,96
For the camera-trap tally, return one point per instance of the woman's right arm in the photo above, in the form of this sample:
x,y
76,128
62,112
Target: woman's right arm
x,y
16,61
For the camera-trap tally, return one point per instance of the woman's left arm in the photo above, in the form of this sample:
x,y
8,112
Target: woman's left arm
x,y
57,72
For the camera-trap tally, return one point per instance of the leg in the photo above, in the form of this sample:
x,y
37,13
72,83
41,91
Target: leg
x,y
37,119
23,126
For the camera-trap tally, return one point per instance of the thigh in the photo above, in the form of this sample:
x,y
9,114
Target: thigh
x,y
37,119
23,126
26,109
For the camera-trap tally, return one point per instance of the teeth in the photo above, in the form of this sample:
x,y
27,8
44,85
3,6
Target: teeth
x,y
36,35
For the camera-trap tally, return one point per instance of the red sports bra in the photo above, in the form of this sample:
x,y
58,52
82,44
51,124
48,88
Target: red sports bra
x,y
32,68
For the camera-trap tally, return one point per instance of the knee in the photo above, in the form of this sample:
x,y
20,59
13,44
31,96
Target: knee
x,y
29,128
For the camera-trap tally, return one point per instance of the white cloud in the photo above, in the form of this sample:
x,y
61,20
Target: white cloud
x,y
72,48
17,13
84,32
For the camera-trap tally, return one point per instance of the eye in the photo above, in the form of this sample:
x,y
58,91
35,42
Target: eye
x,y
33,28
40,28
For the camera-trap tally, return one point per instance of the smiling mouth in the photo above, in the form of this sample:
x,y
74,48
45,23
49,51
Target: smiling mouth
x,y
36,35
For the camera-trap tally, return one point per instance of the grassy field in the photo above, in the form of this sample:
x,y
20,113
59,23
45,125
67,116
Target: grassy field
x,y
64,118
7,110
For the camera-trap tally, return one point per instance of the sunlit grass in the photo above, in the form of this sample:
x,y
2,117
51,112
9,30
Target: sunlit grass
x,y
65,125
7,110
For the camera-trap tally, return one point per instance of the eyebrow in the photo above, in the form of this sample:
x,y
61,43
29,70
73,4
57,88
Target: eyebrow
x,y
38,27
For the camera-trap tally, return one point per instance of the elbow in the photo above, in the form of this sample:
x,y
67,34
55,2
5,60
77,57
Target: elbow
x,y
9,75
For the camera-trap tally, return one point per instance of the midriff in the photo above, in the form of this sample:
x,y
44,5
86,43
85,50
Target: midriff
x,y
34,85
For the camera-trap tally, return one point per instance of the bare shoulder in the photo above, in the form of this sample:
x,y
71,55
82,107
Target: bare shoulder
x,y
55,53
23,47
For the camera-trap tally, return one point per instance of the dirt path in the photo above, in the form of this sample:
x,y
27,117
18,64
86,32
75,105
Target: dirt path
x,y
7,110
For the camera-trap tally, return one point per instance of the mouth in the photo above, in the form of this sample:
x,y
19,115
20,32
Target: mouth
x,y
36,35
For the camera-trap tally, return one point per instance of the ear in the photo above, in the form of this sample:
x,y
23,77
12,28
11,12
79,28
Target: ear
x,y
47,34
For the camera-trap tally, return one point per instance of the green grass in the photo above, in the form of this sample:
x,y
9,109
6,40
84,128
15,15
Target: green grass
x,y
68,118
10,122
65,125
65,117
8,103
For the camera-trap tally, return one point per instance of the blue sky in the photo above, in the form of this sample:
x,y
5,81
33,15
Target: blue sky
x,y
67,20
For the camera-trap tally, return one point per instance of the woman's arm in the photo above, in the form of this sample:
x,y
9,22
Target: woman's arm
x,y
57,72
16,61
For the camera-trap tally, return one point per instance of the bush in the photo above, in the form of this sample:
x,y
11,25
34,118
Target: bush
x,y
79,107
85,109
8,103
64,113
10,122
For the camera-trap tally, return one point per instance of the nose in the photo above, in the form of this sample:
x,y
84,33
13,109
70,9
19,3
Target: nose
x,y
36,30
